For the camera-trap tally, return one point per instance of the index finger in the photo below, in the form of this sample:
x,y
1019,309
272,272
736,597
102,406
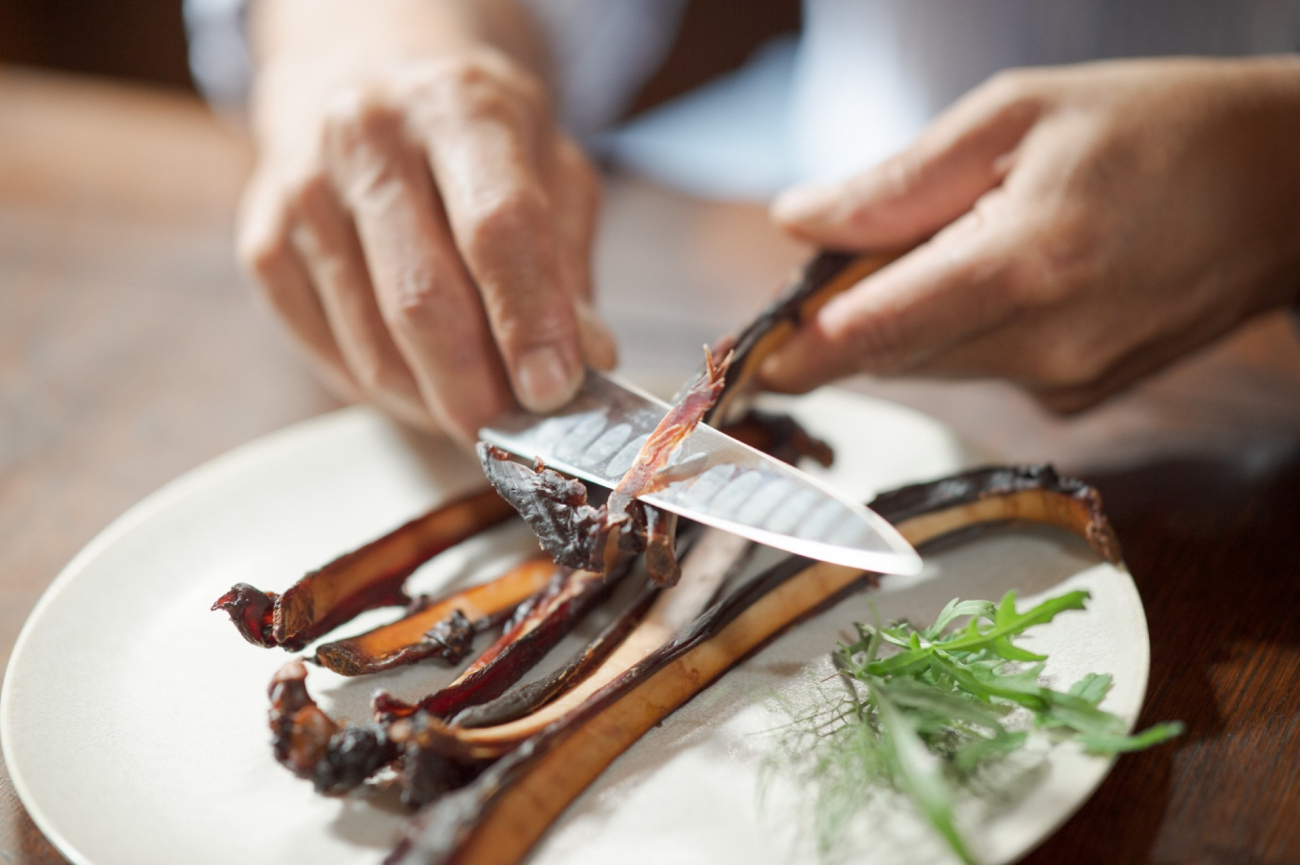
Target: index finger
x,y
963,282
484,157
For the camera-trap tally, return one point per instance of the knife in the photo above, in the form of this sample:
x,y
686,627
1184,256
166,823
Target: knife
x,y
717,481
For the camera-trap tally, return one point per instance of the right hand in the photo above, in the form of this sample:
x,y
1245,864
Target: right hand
x,y
424,230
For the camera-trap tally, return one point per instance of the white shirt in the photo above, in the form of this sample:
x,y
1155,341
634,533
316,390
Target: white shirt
x,y
864,78
871,73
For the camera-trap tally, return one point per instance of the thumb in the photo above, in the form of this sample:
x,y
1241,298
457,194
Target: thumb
x,y
962,155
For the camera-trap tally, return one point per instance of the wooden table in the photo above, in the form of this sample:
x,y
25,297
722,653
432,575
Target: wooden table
x,y
130,352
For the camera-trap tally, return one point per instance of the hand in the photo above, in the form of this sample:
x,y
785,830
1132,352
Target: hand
x,y
1079,228
424,231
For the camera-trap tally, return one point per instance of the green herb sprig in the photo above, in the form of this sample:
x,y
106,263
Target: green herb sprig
x,y
927,711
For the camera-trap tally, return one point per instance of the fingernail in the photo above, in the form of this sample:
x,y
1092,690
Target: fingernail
x,y
805,203
546,380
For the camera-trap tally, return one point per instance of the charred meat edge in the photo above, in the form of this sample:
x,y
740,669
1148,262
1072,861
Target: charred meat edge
x,y
599,539
438,627
364,579
707,565
523,699
729,557
479,696
553,614
499,816
825,276
310,744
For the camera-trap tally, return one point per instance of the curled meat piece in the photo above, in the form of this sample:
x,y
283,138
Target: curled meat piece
x,y
334,757
569,597
364,579
599,539
825,276
437,628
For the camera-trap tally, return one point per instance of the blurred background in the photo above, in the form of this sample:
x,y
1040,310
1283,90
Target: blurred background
x,y
144,40
137,40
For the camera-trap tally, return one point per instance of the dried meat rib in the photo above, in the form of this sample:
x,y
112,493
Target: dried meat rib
x,y
334,757
545,621
524,699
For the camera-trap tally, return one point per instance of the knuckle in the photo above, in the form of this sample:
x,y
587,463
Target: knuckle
x,y
1058,254
309,189
1012,93
891,181
517,333
259,255
502,222
260,248
469,72
900,173
1029,281
522,320
416,301
480,85
356,114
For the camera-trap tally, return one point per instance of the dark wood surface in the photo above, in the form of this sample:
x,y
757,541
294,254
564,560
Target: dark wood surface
x,y
130,352
143,40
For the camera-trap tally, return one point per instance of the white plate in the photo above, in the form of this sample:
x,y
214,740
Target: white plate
x,y
134,720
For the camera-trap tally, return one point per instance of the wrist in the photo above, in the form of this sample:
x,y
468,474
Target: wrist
x,y
306,51
309,32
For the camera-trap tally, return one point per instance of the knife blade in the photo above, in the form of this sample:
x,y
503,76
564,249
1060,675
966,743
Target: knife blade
x,y
715,480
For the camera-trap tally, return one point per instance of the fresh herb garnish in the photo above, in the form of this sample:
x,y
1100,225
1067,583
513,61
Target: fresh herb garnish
x,y
928,712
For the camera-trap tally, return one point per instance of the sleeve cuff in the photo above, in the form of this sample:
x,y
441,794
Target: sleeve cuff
x,y
218,50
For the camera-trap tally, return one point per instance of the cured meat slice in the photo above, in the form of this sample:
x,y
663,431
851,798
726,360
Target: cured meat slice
x,y
361,580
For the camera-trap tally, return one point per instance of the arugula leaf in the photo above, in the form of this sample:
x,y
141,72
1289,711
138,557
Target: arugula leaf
x,y
1119,744
1068,712
955,609
1092,687
929,709
1010,623
970,756
920,773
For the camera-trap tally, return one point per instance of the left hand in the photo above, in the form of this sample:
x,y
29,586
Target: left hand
x,y
1079,228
